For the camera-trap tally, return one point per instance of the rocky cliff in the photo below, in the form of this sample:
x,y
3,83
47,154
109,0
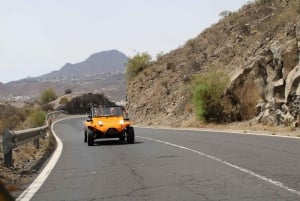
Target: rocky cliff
x,y
258,47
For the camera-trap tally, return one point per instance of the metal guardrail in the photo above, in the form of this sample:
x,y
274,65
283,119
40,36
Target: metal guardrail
x,y
12,139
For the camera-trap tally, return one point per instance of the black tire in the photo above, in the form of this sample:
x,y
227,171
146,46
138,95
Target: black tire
x,y
130,135
85,134
90,137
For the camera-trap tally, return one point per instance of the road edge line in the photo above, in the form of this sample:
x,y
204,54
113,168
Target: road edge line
x,y
30,191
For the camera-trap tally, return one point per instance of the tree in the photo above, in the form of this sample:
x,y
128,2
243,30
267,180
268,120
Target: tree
x,y
47,96
136,64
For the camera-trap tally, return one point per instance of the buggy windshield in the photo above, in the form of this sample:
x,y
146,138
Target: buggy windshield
x,y
106,111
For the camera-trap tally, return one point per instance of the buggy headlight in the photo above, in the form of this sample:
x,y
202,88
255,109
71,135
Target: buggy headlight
x,y
122,122
100,123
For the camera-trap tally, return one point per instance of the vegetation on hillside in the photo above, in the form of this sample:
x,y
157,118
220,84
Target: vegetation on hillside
x,y
37,118
207,93
63,101
47,96
136,64
14,118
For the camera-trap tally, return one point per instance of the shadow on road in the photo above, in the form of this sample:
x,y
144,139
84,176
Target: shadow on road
x,y
113,142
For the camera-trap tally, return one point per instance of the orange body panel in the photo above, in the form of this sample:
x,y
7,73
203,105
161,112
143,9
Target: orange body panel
x,y
106,123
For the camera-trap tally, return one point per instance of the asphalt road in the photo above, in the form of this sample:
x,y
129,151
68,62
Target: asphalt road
x,y
173,165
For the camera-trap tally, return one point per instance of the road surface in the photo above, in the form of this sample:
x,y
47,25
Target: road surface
x,y
173,165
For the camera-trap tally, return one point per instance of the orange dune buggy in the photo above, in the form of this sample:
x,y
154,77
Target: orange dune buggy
x,y
108,122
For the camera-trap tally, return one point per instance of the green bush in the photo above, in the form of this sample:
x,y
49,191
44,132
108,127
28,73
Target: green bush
x,y
136,64
37,118
63,100
207,92
47,96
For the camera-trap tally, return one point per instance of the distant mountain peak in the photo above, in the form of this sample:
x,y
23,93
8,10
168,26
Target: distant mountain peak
x,y
68,64
105,53
101,72
97,63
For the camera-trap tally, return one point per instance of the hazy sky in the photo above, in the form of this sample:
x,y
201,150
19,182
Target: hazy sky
x,y
39,36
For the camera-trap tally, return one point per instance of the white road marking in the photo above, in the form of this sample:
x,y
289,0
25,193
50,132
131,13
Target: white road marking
x,y
269,180
38,182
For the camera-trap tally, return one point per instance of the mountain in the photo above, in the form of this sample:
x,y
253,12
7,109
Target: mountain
x,y
102,72
101,62
258,49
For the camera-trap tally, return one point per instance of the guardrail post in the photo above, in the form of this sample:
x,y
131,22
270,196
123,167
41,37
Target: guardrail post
x,y
8,144
37,143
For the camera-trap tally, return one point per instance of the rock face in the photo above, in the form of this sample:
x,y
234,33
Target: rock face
x,y
269,84
257,47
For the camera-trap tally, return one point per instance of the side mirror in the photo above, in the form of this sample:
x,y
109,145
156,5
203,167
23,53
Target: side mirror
x,y
126,119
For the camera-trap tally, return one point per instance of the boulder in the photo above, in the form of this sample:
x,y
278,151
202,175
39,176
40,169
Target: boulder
x,y
292,83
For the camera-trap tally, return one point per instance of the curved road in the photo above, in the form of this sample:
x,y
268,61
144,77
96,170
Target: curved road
x,y
173,165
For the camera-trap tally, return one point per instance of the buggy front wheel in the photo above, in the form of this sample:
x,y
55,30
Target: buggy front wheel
x,y
130,135
90,137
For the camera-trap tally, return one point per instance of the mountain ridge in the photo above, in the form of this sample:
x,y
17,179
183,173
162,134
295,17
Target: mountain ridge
x,y
101,72
108,61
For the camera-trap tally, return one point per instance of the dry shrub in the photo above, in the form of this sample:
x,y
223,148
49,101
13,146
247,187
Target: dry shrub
x,y
188,108
170,65
13,118
37,118
191,44
290,14
164,83
136,64
63,100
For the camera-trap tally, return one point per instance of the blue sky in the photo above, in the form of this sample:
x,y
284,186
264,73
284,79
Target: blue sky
x,y
39,36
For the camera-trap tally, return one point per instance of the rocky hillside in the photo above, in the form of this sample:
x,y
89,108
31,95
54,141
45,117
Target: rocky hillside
x,y
257,47
102,72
